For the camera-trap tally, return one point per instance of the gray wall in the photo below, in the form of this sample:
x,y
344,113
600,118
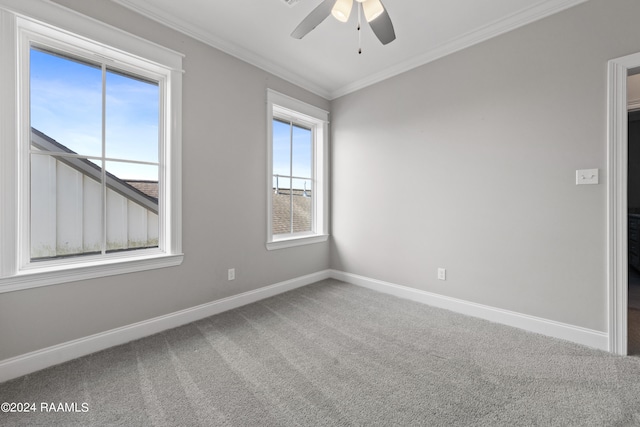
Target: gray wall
x,y
224,207
469,162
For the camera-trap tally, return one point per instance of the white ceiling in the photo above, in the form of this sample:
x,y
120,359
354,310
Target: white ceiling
x,y
326,61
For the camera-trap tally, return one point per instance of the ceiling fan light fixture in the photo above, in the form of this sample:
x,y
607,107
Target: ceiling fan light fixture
x,y
375,14
342,9
372,9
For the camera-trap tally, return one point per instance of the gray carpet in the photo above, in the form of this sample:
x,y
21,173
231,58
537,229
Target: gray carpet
x,y
333,354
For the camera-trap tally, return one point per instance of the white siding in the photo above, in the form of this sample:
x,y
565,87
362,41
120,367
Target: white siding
x,y
137,225
116,221
43,206
69,203
92,217
66,213
152,229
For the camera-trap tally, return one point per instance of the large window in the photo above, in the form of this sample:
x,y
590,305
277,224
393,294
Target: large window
x,y
94,139
297,172
92,157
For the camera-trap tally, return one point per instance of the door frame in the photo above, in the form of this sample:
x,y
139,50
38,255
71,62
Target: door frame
x,y
617,157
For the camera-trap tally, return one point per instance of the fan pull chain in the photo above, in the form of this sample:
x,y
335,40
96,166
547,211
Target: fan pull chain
x,y
359,32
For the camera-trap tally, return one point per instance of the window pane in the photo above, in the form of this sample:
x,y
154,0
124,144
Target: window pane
x,y
66,101
302,149
281,205
292,157
132,206
66,207
132,114
302,208
302,144
281,148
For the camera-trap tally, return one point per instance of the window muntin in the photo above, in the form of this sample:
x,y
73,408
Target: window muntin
x,y
82,201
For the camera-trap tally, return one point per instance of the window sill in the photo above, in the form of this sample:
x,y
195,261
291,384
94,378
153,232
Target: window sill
x,y
289,242
27,279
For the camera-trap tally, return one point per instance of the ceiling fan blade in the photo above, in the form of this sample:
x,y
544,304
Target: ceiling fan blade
x,y
313,19
383,28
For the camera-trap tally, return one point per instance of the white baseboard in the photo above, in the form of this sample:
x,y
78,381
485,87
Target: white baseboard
x,y
40,359
576,334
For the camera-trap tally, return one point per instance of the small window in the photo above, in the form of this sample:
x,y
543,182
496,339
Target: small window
x,y
292,198
297,208
91,186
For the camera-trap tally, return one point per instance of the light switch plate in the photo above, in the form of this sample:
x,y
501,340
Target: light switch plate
x,y
586,176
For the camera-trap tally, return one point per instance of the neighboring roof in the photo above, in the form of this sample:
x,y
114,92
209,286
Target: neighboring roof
x,y
46,143
150,188
281,214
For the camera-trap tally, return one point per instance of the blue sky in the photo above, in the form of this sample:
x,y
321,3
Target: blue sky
x,y
66,104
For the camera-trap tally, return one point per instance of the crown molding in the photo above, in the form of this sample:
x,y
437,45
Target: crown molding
x,y
464,41
496,28
156,14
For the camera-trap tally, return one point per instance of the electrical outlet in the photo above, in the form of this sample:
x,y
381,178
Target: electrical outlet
x,y
442,274
231,274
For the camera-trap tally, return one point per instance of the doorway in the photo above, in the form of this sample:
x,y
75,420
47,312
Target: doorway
x,y
619,71
633,218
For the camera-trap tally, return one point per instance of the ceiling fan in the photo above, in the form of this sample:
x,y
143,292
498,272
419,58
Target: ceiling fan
x,y
374,12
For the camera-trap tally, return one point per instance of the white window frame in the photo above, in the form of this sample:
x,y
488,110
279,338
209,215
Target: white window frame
x,y
280,106
47,24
